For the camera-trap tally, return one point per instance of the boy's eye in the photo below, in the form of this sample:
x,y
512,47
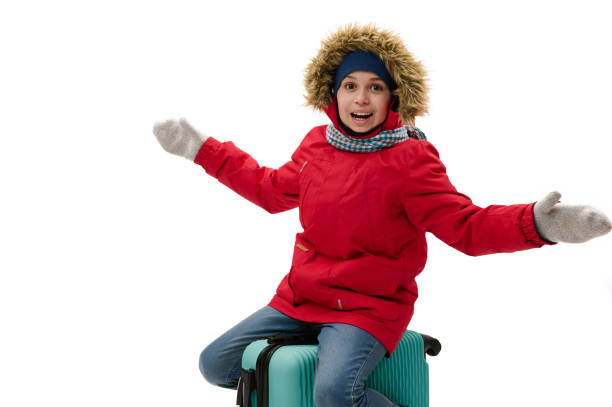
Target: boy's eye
x,y
351,85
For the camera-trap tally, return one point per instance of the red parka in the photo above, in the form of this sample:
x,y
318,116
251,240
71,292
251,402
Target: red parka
x,y
364,217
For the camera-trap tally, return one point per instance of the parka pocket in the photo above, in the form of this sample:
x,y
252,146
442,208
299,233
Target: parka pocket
x,y
367,284
369,275
309,276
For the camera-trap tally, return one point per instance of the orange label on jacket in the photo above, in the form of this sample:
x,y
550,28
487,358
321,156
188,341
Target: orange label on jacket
x,y
302,247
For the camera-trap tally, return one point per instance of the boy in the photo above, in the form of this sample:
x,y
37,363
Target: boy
x,y
368,187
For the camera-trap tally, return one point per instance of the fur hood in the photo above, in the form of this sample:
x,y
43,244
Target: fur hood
x,y
408,73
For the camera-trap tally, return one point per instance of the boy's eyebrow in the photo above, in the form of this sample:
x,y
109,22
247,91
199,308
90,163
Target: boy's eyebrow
x,y
373,78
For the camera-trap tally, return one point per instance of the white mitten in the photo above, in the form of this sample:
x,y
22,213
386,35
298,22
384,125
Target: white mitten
x,y
179,137
568,223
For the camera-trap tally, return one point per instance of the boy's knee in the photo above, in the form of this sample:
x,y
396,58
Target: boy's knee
x,y
206,365
213,369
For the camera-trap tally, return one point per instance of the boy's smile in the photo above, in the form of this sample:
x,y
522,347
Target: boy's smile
x,y
363,100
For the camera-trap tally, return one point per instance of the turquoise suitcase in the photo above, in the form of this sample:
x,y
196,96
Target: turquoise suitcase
x,y
279,372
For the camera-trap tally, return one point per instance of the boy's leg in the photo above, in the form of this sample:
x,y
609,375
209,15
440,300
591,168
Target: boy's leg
x,y
220,361
347,355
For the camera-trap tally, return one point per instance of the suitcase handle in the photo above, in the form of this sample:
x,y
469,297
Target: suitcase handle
x,y
302,339
432,345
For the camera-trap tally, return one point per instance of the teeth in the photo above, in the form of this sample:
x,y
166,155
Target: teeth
x,y
362,115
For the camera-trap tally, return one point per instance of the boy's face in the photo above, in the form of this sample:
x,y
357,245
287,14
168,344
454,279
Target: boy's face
x,y
363,100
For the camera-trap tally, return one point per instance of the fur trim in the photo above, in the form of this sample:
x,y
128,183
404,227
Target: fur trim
x,y
408,73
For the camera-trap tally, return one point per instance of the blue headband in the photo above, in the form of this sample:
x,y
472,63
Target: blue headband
x,y
362,61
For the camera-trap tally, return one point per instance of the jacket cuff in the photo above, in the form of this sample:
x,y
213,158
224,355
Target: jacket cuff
x,y
529,229
207,153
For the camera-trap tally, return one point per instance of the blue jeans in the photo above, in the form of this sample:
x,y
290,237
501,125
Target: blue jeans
x,y
346,357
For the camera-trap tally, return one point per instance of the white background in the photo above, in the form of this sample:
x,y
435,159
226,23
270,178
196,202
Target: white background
x,y
119,263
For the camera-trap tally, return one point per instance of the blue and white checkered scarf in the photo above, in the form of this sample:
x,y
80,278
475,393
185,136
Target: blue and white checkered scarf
x,y
384,139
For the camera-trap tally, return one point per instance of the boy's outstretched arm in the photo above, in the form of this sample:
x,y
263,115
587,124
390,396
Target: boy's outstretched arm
x,y
433,204
275,190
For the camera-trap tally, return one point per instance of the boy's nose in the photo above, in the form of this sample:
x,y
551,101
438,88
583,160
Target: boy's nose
x,y
361,97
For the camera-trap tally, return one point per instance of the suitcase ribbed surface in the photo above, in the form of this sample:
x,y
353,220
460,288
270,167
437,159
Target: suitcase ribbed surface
x,y
293,379
404,378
